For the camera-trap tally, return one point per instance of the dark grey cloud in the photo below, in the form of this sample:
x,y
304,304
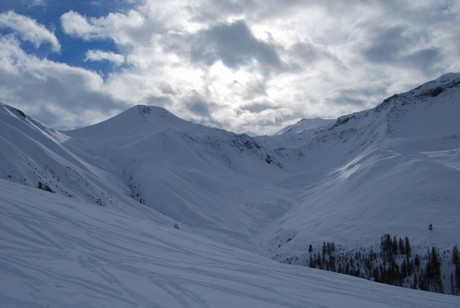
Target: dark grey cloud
x,y
303,55
347,100
399,46
233,44
255,89
258,107
198,105
306,51
360,96
387,45
426,59
166,89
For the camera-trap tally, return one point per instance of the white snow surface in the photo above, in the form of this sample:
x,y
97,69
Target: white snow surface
x,y
239,201
57,252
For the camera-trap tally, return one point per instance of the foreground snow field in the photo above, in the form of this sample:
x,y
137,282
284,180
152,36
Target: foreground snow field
x,y
57,252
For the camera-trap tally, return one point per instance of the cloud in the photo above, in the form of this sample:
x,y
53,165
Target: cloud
x,y
426,60
198,105
233,44
121,28
247,66
100,55
260,65
59,95
355,96
75,24
37,3
306,55
387,45
27,29
258,107
398,45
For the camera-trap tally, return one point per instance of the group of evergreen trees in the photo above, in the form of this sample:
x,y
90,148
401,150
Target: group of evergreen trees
x,y
394,263
455,275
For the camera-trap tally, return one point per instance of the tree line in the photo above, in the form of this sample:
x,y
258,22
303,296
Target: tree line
x,y
393,262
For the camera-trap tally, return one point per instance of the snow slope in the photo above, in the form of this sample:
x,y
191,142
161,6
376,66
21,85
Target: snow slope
x,y
305,124
206,178
296,134
31,153
391,169
57,252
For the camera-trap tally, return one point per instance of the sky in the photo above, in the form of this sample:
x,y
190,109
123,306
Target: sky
x,y
247,66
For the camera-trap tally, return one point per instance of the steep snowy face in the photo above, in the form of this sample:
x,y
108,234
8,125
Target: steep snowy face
x,y
207,178
394,168
429,110
28,148
35,155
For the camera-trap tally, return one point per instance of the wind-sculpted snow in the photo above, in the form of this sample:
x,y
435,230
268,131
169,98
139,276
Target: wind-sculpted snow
x,y
56,252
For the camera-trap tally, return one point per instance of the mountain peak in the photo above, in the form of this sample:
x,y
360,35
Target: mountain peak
x,y
149,113
132,122
14,110
305,124
449,76
146,109
437,86
447,83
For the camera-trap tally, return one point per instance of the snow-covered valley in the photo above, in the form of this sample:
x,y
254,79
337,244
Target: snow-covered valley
x,y
149,210
57,252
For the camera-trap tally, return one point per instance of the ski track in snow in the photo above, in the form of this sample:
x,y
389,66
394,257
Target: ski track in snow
x,y
56,252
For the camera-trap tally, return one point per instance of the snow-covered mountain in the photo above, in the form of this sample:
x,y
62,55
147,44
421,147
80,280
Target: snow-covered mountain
x,y
296,134
393,169
209,179
310,124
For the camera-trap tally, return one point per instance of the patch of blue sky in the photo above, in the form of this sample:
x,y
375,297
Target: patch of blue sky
x,y
49,11
73,50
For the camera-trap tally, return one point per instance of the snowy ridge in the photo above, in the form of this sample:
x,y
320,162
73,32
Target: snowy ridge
x,y
391,169
295,135
304,124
